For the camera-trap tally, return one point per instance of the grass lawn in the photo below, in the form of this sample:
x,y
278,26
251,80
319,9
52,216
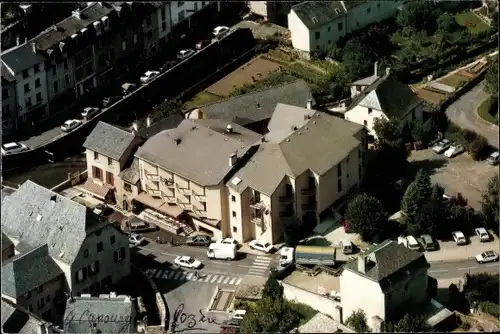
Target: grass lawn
x,y
488,110
200,99
477,24
453,80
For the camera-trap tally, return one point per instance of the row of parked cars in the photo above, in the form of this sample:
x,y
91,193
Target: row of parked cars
x,y
452,149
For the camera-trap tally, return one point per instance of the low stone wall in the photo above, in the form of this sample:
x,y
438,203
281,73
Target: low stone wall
x,y
73,179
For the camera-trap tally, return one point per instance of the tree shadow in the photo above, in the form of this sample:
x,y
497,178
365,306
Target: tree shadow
x,y
430,165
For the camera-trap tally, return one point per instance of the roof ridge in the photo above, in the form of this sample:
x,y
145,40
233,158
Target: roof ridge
x,y
250,93
117,127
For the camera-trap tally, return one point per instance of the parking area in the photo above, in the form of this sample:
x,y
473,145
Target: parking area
x,y
262,30
457,175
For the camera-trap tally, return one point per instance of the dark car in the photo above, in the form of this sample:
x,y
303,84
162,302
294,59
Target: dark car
x,y
168,65
202,44
109,100
103,210
199,240
139,226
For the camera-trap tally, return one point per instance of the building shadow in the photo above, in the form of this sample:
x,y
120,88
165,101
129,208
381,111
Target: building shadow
x,y
430,165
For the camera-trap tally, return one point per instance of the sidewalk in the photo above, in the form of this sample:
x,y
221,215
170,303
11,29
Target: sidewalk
x,y
449,251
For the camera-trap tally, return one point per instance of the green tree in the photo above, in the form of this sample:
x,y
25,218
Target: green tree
x,y
494,21
412,324
366,217
489,202
416,196
417,15
388,130
357,321
491,79
357,58
446,23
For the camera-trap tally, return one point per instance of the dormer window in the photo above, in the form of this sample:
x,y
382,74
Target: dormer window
x,y
337,11
74,38
62,47
84,32
370,111
97,27
105,22
314,19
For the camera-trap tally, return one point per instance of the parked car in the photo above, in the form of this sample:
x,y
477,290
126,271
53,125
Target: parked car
x,y
459,238
488,256
103,209
447,197
482,234
184,54
260,246
202,44
428,242
454,150
441,146
139,226
136,239
128,88
220,31
149,75
494,158
12,148
199,240
187,262
168,65
239,314
109,101
229,241
90,112
70,125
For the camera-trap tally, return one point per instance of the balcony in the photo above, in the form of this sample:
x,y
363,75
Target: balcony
x,y
154,178
257,204
154,192
200,213
286,214
185,191
308,207
286,199
257,220
199,198
311,191
168,182
170,199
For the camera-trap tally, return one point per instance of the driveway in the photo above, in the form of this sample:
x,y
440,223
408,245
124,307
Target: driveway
x,y
459,174
262,30
463,113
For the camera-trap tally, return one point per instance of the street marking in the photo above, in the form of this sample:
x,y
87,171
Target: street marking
x,y
244,266
189,276
232,281
214,278
151,272
263,257
209,276
492,264
159,273
257,271
226,280
172,274
165,275
261,262
438,271
182,276
178,275
238,281
260,276
220,279
466,268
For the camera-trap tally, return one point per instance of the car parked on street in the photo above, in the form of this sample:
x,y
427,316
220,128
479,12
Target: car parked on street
x,y
202,44
136,239
488,256
103,209
128,88
12,148
168,65
428,242
90,112
494,158
199,240
138,226
454,150
187,262
220,31
262,246
229,241
148,76
184,54
70,125
441,146
109,101
482,234
459,238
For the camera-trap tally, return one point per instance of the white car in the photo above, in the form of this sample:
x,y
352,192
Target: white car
x,y
136,239
260,245
454,150
441,146
239,314
459,238
70,125
149,75
12,148
228,241
90,111
220,31
482,234
184,54
494,158
488,256
187,262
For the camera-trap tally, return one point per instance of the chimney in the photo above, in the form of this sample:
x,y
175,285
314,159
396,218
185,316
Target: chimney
x,y
387,71
362,264
135,127
229,128
17,40
33,46
306,117
148,121
375,69
294,128
177,141
309,104
112,294
232,159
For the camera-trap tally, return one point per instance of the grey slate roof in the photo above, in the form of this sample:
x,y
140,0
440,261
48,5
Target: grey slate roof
x,y
318,144
21,57
26,272
131,173
395,98
7,77
198,149
109,140
389,262
317,13
37,216
170,122
118,314
257,106
16,319
6,242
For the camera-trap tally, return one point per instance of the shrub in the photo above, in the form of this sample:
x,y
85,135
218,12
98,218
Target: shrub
x,y
490,308
478,148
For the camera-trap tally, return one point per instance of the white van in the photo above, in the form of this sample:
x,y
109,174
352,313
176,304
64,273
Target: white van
x,y
347,246
286,256
219,251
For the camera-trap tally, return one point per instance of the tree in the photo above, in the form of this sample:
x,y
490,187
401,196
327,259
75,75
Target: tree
x,y
417,15
357,321
388,130
489,202
357,58
412,324
494,21
491,79
446,23
366,217
292,231
417,194
273,289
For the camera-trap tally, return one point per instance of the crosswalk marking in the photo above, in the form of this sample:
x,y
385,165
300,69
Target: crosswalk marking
x,y
159,273
208,278
227,280
214,278
178,275
260,266
220,279
169,274
232,281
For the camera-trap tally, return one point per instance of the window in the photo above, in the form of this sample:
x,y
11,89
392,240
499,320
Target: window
x,y
234,214
47,299
180,15
40,288
38,97
180,3
233,198
340,26
150,34
235,229
6,111
65,63
124,45
127,187
203,3
378,5
30,308
56,86
360,169
37,68
5,94
163,26
112,239
163,14
370,111
339,185
27,102
41,303
329,28
119,254
99,246
54,70
25,74
110,161
27,295
110,178
81,275
368,10
86,253
339,170
94,268
26,87
365,123
66,78
316,35
148,21
329,42
96,156
96,173
38,83
135,38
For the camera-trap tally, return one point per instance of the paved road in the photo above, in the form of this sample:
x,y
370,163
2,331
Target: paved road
x,y
445,270
463,113
44,137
